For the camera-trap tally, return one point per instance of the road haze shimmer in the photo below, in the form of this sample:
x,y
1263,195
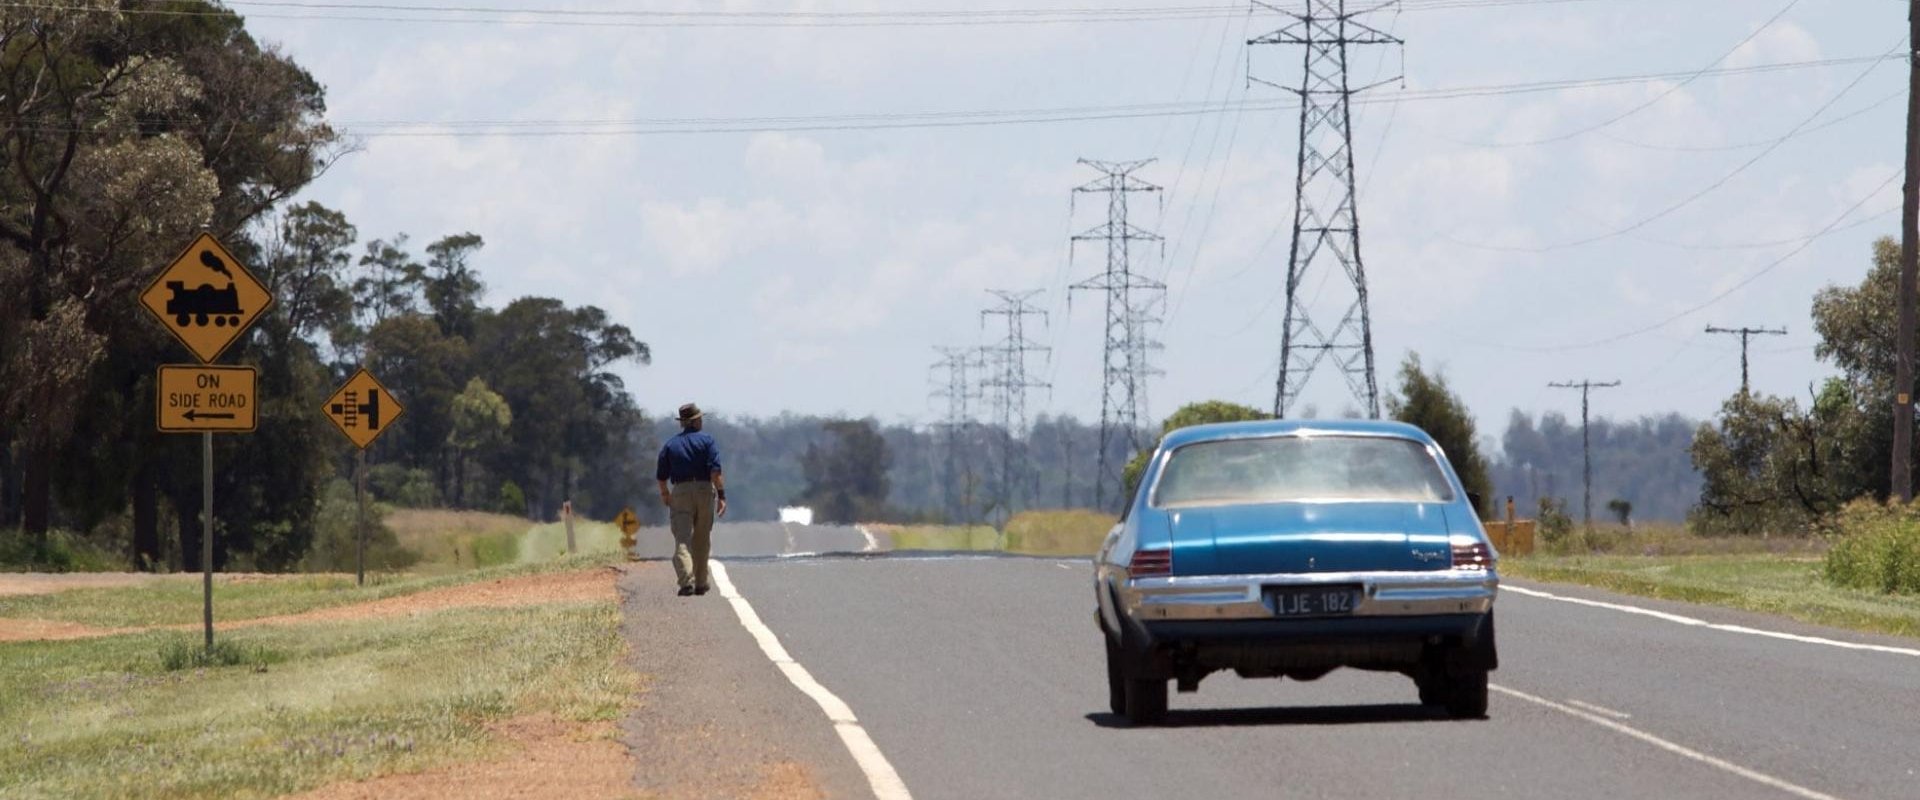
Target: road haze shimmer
x,y
980,676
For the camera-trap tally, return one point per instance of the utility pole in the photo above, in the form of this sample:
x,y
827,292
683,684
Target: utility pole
x,y
1746,335
1586,442
1007,377
1132,301
1902,477
960,364
1326,216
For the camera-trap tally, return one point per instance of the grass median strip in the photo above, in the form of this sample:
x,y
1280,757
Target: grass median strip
x,y
1762,582
253,597
291,708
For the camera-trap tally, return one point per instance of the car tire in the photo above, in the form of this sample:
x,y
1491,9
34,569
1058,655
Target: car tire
x,y
1466,695
1146,700
1116,680
1432,690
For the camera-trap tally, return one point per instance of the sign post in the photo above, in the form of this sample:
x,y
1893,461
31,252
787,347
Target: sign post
x,y
566,511
362,409
207,318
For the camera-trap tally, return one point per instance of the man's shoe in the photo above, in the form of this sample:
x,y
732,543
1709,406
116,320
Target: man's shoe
x,y
700,590
686,591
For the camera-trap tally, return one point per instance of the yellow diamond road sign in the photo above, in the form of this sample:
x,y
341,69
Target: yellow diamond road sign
x,y
196,399
206,297
362,409
628,521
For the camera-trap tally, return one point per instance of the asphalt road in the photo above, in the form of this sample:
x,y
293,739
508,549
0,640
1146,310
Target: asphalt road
x,y
981,677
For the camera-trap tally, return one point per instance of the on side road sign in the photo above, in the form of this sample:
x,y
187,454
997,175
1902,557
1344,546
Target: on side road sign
x,y
194,399
206,298
362,409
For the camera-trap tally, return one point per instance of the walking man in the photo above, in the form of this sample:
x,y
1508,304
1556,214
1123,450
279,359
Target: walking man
x,y
692,489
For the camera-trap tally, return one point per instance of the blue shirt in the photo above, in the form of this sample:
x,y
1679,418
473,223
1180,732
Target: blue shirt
x,y
690,456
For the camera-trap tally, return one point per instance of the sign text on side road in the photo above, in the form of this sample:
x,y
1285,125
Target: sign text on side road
x,y
362,409
194,399
206,298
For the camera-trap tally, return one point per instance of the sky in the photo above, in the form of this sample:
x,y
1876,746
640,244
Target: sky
x,y
1511,238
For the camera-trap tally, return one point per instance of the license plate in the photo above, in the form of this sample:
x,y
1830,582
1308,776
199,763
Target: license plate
x,y
1312,601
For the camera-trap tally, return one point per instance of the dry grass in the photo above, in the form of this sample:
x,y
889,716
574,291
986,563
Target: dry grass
x,y
1068,532
451,540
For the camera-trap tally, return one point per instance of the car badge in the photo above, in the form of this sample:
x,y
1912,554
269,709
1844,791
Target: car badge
x,y
1428,555
1309,562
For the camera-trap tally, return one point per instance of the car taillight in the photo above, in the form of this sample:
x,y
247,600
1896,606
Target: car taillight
x,y
1146,563
1471,552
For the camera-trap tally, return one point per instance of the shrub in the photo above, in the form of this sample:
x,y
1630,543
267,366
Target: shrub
x,y
64,552
1875,547
336,531
1071,532
406,488
183,653
1555,525
512,500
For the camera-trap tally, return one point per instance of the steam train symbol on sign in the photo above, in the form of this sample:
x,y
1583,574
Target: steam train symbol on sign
x,y
206,304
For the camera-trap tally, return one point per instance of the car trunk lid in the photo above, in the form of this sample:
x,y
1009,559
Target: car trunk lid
x,y
1309,537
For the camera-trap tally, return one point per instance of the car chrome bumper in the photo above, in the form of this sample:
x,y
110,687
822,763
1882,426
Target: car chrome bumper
x,y
1242,597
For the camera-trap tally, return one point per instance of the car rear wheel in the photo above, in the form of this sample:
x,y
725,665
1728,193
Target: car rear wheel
x,y
1465,695
1146,700
1116,680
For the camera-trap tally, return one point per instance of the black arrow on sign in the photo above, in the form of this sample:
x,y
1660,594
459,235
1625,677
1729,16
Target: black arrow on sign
x,y
196,415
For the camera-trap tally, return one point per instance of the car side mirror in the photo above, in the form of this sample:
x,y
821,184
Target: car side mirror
x,y
1475,499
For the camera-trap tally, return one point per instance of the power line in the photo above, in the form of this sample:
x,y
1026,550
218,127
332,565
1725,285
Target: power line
x,y
1650,102
642,126
602,18
1709,188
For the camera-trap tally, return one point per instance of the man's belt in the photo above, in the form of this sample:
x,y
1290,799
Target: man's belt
x,y
677,483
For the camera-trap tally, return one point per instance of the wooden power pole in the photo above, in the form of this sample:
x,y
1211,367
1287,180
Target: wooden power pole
x,y
1586,442
1909,240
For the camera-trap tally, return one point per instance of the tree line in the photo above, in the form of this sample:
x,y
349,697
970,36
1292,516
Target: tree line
x,y
126,135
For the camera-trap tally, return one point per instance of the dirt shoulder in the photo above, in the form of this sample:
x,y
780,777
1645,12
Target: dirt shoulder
x,y
718,718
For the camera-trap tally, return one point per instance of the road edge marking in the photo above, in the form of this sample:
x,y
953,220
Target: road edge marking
x,y
1600,709
1671,747
881,777
872,543
1701,623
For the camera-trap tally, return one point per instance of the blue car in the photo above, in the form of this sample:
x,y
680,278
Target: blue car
x,y
1293,548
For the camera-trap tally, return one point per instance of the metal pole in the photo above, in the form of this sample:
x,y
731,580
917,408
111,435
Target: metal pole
x,y
360,496
206,534
1901,473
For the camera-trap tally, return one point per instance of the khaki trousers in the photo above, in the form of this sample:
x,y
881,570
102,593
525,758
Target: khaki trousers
x,y
692,524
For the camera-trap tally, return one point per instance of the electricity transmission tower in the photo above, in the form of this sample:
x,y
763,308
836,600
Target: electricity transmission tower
x,y
1746,335
1586,443
1326,219
1132,303
958,389
1007,377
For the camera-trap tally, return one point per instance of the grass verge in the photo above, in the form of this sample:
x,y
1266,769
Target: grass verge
x,y
300,706
1037,533
179,602
1769,583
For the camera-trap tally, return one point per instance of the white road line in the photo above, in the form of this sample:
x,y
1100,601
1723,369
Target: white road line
x,y
1600,709
881,777
1701,623
789,532
1736,769
872,543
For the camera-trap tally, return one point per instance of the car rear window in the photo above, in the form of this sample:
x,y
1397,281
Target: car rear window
x,y
1300,468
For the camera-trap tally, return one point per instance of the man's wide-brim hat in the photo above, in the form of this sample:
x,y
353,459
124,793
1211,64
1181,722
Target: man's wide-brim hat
x,y
689,413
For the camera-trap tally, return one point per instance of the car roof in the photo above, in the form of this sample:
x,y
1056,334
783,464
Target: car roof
x,y
1293,427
